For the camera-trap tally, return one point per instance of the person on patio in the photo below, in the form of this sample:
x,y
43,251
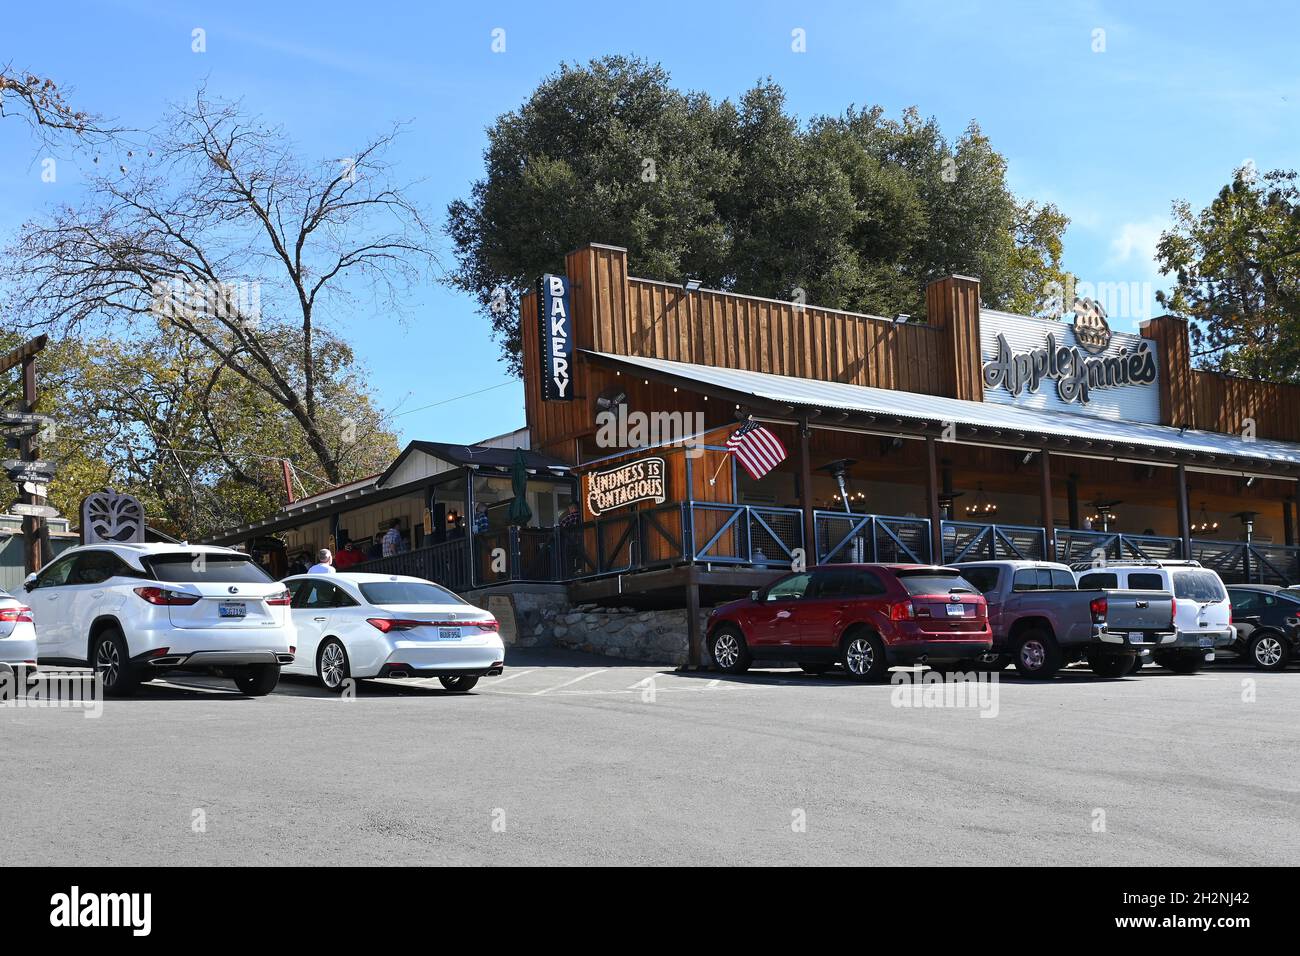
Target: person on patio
x,y
348,556
324,563
392,543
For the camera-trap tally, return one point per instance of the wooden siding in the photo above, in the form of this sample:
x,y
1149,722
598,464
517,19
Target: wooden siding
x,y
1223,403
1169,333
639,317
953,305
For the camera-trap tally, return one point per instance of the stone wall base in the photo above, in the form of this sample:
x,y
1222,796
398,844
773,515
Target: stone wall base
x,y
543,617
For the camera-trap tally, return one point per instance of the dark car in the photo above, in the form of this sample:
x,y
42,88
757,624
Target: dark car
x,y
865,617
1267,618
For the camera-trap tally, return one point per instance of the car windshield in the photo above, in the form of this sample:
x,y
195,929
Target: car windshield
x,y
383,593
200,567
1203,586
933,582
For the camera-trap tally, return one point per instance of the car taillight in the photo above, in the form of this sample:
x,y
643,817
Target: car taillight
x,y
166,597
16,615
1098,606
487,625
279,600
902,611
387,624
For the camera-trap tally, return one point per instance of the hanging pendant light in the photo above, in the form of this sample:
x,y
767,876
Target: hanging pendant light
x,y
981,507
1205,525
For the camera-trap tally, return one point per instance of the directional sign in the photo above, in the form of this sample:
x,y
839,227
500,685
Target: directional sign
x,y
8,417
33,511
36,488
36,477
18,464
21,431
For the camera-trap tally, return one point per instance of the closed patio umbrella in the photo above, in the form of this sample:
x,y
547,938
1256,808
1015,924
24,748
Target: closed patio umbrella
x,y
519,514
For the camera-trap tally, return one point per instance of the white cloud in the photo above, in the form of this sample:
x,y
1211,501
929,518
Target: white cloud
x,y
1134,246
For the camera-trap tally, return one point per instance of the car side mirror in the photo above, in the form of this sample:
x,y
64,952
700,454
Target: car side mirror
x,y
754,596
29,582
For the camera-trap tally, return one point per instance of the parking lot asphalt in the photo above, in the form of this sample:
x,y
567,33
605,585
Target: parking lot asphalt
x,y
568,759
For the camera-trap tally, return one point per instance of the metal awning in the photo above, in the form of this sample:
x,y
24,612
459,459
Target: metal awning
x,y
1001,424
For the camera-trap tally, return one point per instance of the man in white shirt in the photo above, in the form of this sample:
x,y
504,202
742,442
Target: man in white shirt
x,y
323,563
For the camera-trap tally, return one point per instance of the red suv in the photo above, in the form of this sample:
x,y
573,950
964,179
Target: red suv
x,y
865,617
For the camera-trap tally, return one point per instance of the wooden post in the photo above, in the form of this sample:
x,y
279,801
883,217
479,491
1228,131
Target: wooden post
x,y
35,532
1184,513
806,495
1049,523
695,640
1288,522
1072,501
932,500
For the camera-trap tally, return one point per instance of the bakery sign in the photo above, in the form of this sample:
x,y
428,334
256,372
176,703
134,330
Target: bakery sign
x,y
637,481
1078,361
555,327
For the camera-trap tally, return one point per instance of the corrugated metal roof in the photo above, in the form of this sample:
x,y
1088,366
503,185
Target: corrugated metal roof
x,y
812,393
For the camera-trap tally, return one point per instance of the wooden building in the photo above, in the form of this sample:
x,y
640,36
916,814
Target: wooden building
x,y
970,433
963,434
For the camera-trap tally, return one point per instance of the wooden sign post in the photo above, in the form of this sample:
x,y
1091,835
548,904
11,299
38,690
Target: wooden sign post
x,y
36,534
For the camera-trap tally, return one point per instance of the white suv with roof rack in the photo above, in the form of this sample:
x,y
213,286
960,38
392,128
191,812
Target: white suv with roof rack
x,y
137,611
1202,612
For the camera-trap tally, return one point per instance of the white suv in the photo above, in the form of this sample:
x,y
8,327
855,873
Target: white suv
x,y
1202,612
136,611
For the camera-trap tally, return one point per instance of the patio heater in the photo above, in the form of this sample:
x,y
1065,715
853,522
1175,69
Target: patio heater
x,y
838,469
1247,519
1105,514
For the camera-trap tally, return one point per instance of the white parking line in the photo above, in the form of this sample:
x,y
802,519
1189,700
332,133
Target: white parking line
x,y
511,676
547,690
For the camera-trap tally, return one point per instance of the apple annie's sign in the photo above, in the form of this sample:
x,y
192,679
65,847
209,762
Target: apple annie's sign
x,y
641,480
1094,361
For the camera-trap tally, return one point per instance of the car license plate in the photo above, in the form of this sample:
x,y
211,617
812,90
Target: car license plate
x,y
449,634
956,610
1136,637
1207,640
232,610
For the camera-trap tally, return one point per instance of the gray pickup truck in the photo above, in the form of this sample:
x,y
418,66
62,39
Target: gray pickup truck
x,y
1041,621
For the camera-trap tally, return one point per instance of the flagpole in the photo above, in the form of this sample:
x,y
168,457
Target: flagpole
x,y
714,479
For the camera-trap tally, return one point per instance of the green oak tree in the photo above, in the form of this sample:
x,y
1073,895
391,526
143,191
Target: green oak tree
x,y
1236,271
855,211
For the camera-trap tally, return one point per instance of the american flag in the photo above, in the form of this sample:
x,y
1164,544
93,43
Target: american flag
x,y
757,448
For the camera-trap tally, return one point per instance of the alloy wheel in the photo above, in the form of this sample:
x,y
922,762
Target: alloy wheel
x,y
1268,651
1033,655
331,665
859,656
108,664
726,651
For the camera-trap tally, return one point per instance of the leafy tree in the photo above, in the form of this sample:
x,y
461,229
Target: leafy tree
x,y
165,419
1236,268
857,211
221,234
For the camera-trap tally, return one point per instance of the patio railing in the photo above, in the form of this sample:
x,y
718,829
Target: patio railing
x,y
700,532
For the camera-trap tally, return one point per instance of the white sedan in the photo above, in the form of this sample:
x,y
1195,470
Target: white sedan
x,y
17,635
354,625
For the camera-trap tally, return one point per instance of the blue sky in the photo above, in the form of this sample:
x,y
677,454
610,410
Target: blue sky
x,y
1181,95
